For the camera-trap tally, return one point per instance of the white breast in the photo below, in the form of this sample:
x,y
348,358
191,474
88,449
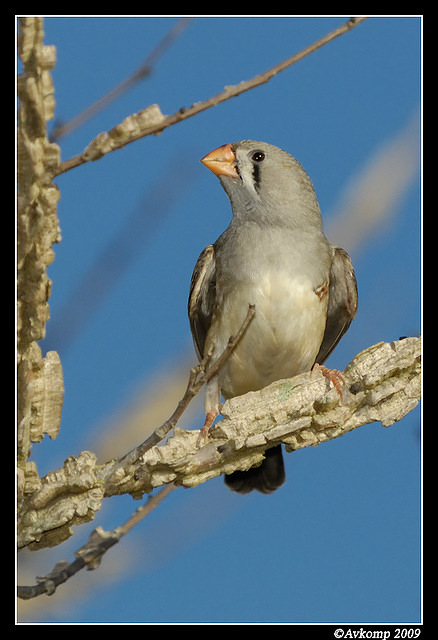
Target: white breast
x,y
283,338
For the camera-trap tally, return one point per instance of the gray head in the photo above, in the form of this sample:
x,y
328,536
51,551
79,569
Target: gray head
x,y
264,183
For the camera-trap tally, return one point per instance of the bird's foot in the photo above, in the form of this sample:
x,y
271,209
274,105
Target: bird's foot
x,y
333,375
203,434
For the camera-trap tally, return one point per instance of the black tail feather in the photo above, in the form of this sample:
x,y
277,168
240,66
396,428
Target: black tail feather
x,y
266,478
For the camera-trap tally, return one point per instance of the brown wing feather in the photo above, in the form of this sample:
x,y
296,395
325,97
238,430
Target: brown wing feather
x,y
342,304
202,298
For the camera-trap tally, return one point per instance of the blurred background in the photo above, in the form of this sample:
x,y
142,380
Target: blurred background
x,y
340,541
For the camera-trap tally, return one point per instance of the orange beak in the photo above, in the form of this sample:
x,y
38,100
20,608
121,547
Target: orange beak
x,y
222,161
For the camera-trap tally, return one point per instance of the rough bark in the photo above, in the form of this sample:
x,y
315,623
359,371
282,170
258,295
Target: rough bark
x,y
39,379
382,383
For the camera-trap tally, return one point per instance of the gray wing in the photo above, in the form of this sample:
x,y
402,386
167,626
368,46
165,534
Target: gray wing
x,y
202,298
342,303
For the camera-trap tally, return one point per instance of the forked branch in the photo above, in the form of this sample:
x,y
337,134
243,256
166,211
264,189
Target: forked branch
x,y
382,383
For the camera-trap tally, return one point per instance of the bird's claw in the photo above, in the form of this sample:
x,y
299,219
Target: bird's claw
x,y
203,434
333,375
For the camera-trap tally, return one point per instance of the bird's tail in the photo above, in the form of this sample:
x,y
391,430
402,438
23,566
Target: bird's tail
x,y
266,478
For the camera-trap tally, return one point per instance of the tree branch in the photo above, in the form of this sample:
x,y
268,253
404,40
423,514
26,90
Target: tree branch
x,y
151,121
40,385
90,555
141,73
199,376
382,384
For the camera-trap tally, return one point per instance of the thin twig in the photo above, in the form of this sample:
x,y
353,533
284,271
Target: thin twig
x,y
116,256
90,555
100,541
140,74
229,92
199,376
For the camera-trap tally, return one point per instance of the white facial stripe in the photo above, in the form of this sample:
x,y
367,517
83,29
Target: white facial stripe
x,y
247,176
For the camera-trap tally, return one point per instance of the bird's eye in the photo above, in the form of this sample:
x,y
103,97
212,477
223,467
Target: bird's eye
x,y
258,156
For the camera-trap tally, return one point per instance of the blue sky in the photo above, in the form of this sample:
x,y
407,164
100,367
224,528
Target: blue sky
x,y
340,542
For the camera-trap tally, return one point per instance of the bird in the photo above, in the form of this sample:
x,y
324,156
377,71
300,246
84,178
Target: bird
x,y
275,257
